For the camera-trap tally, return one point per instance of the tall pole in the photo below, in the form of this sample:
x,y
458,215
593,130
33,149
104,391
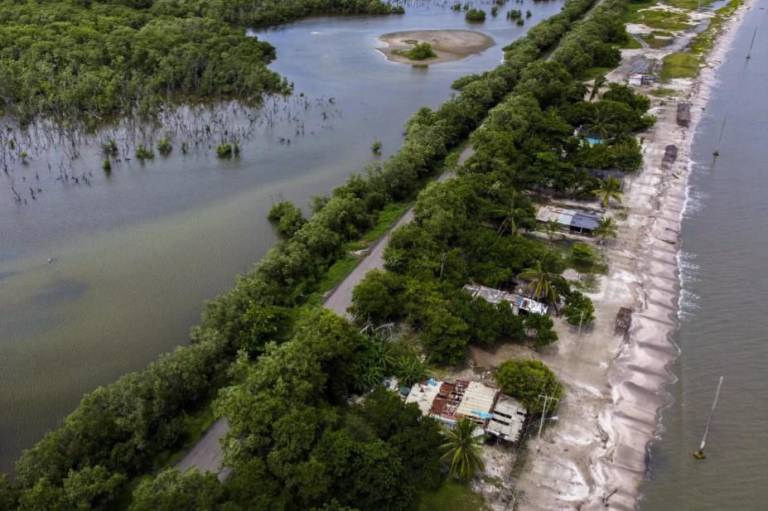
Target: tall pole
x,y
541,422
699,455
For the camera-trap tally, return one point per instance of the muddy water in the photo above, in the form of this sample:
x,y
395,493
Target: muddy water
x,y
724,328
98,277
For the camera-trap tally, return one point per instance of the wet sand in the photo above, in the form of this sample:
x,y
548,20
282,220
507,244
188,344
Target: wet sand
x,y
594,456
448,45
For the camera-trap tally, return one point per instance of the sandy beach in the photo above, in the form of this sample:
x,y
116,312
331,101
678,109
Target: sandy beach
x,y
594,455
448,45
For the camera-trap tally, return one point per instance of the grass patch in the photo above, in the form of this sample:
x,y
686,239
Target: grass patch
x,y
631,44
704,42
452,496
657,41
387,218
663,20
688,4
680,65
663,92
337,273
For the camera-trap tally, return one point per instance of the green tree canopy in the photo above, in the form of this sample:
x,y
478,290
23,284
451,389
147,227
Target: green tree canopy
x,y
172,490
526,381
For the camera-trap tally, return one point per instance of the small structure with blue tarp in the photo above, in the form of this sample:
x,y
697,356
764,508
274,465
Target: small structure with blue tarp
x,y
592,139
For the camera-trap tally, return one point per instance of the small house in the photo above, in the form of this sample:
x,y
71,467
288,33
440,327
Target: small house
x,y
643,71
575,221
641,79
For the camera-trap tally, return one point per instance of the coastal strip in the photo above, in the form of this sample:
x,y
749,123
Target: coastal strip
x,y
595,455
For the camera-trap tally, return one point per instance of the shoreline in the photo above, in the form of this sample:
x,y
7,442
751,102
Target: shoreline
x,y
596,455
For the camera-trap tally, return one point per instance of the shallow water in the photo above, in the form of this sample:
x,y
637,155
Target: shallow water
x,y
724,329
96,280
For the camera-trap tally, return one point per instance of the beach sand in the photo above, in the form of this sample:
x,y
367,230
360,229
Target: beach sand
x,y
449,45
594,455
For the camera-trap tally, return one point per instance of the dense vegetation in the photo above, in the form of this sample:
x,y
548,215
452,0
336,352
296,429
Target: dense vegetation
x,y
118,430
89,60
472,228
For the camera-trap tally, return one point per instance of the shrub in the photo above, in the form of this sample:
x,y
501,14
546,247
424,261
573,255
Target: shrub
x,y
422,51
527,381
579,309
225,151
583,257
164,146
286,218
378,298
475,16
376,147
109,148
540,327
172,489
144,153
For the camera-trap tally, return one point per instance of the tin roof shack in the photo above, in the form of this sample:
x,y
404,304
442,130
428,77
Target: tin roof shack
x,y
520,304
447,401
643,71
576,221
507,419
641,79
684,114
489,294
477,403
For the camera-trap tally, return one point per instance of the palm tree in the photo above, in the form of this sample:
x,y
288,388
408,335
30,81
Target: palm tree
x,y
608,189
410,369
462,449
596,85
541,283
606,229
510,213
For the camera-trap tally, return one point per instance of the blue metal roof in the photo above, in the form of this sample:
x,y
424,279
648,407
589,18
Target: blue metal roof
x,y
583,221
